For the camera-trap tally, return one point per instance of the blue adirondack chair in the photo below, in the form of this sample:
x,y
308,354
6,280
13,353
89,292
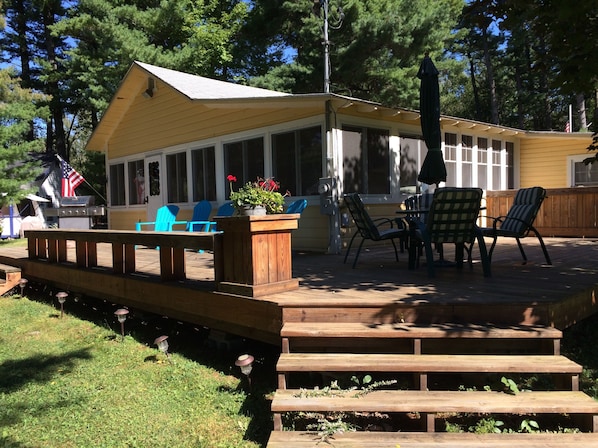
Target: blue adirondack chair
x,y
165,220
200,221
226,209
297,206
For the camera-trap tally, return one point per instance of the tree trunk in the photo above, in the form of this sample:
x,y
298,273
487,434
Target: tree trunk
x,y
56,106
24,55
491,81
474,87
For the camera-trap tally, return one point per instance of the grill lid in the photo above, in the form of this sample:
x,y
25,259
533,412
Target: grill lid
x,y
77,201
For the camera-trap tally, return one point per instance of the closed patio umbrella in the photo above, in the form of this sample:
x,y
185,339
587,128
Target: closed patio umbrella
x,y
433,170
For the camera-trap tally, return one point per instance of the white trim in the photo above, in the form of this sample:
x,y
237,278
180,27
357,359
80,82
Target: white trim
x,y
571,161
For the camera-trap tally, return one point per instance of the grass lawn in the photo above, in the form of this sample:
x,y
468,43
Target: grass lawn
x,y
72,382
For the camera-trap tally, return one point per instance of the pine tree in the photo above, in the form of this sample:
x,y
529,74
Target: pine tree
x,y
18,156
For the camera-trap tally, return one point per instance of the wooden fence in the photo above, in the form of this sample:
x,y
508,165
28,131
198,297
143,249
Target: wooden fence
x,y
565,211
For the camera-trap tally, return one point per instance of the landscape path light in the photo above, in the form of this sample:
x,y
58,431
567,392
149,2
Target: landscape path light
x,y
121,315
245,363
22,284
162,343
61,296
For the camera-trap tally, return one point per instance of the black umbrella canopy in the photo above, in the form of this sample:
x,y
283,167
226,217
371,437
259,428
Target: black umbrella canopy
x,y
433,170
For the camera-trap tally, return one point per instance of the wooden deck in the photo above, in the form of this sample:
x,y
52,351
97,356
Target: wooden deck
x,y
379,290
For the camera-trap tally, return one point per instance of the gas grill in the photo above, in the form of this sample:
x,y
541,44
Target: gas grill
x,y
76,212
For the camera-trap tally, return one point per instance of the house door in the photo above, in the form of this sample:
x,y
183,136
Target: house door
x,y
153,185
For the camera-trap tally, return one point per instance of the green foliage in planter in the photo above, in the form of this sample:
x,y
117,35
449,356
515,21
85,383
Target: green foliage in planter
x,y
261,192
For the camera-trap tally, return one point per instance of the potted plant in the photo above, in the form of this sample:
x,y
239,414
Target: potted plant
x,y
259,197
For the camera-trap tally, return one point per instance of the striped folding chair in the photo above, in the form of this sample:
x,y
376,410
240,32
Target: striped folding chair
x,y
519,220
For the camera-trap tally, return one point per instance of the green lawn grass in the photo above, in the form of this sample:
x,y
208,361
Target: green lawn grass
x,y
72,382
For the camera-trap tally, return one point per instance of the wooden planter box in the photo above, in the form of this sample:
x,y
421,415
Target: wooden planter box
x,y
256,256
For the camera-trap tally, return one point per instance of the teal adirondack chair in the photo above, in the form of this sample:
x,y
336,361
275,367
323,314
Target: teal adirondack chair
x,y
200,221
165,220
297,206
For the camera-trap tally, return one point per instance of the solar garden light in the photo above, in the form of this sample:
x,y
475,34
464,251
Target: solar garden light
x,y
121,314
61,299
245,363
162,344
22,284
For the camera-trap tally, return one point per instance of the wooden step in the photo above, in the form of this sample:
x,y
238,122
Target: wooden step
x,y
433,402
363,439
11,276
425,364
354,330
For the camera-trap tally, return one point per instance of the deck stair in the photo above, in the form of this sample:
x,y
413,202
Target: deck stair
x,y
428,350
9,277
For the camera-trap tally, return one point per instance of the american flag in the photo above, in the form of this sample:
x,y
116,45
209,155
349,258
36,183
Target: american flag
x,y
71,179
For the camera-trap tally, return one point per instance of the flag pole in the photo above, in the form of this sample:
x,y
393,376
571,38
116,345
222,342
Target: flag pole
x,y
60,159
570,118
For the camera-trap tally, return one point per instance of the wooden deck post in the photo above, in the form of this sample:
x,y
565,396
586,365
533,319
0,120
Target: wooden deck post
x,y
256,254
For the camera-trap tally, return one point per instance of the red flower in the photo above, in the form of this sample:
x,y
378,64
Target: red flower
x,y
231,178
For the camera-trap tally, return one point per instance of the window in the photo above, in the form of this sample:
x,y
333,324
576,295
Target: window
x,y
467,161
582,175
203,162
117,184
244,160
136,173
176,177
297,160
482,154
450,158
366,163
411,159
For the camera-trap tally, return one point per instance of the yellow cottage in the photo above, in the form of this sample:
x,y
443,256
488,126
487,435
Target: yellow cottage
x,y
172,138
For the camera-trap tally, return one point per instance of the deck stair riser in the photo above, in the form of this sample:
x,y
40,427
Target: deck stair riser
x,y
422,365
11,276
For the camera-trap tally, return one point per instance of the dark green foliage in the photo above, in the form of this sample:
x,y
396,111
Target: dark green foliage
x,y
18,108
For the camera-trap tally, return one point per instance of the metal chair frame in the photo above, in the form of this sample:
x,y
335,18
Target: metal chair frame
x,y
368,228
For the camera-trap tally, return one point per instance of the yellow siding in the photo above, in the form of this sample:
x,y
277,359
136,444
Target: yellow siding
x,y
312,234
543,160
125,219
170,119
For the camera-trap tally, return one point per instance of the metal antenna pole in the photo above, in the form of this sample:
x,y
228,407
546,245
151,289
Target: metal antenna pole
x,y
326,50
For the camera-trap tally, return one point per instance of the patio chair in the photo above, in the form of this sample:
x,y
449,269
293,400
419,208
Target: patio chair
x,y
297,206
200,221
165,219
226,209
368,228
518,222
451,219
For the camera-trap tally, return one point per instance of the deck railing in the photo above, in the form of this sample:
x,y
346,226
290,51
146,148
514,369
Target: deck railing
x,y
51,245
252,254
569,212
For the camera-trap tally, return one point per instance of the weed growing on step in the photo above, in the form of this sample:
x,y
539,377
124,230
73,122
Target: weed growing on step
x,y
326,428
361,388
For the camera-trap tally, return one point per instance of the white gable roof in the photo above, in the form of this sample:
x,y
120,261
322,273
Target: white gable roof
x,y
200,88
